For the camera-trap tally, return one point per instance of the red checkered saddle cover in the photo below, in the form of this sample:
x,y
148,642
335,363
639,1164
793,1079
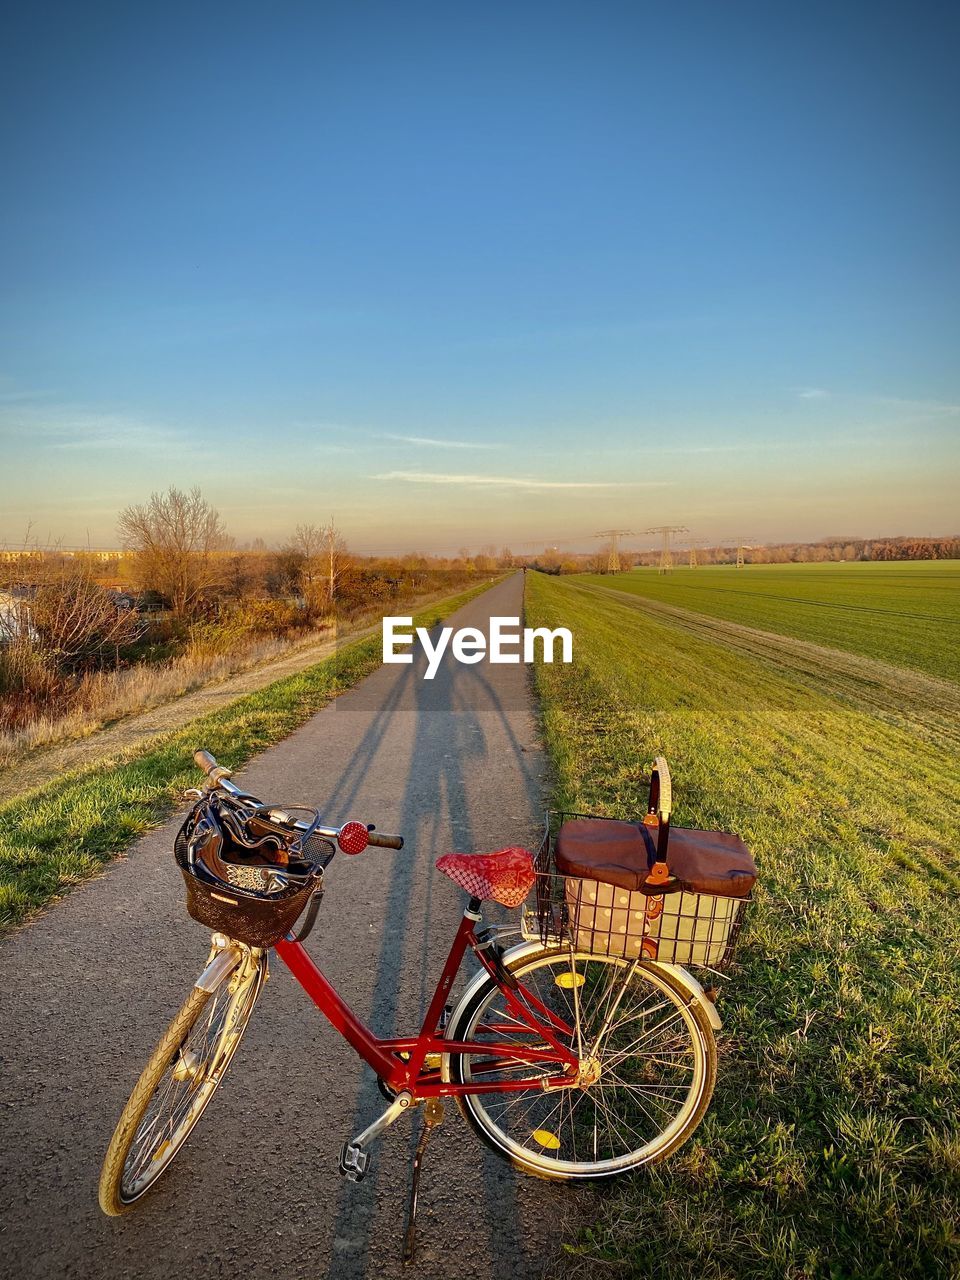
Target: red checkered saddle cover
x,y
506,876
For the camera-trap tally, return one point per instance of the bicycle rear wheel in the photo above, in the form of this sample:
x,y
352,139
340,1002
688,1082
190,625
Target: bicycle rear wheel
x,y
645,1086
177,1083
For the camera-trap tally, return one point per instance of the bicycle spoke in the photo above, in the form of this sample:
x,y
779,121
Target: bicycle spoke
x,y
643,1083
177,1103
613,1118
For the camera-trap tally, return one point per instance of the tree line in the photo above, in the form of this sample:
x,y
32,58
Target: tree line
x,y
828,550
182,590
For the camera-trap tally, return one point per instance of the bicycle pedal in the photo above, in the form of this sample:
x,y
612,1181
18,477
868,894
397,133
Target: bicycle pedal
x,y
353,1162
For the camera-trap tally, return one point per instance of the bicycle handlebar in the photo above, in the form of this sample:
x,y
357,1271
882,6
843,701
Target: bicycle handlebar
x,y
384,842
219,777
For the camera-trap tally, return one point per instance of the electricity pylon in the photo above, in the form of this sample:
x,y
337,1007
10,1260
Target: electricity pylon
x,y
742,544
613,559
665,530
694,543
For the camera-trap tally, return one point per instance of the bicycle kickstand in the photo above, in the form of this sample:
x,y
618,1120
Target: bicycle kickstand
x,y
432,1117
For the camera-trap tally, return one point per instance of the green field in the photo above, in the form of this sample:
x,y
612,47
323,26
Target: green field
x,y
832,1148
906,613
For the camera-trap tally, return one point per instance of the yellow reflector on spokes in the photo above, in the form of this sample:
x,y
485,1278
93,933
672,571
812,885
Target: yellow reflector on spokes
x,y
569,980
546,1139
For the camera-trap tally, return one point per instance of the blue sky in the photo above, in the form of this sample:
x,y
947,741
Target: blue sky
x,y
481,274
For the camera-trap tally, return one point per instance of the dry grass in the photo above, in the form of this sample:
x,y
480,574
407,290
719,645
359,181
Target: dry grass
x,y
58,835
106,697
213,654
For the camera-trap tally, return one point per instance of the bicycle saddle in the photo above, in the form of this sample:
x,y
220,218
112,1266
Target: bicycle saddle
x,y
506,876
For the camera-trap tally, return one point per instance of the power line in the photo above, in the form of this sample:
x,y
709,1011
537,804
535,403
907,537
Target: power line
x,y
694,543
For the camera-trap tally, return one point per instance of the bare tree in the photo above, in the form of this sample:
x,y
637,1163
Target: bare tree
x,y
56,624
175,539
303,562
319,555
337,558
73,621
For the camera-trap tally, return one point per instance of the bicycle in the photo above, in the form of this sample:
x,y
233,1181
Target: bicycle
x,y
569,1062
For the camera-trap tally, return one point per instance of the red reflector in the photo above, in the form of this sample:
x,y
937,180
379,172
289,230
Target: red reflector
x,y
353,837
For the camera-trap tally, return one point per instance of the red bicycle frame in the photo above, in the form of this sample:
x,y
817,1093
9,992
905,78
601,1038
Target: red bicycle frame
x,y
402,1063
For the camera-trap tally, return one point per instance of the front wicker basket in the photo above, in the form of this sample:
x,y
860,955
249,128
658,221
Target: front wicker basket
x,y
257,922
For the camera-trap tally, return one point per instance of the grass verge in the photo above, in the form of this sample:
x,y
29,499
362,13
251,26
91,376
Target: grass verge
x,y
53,838
831,1147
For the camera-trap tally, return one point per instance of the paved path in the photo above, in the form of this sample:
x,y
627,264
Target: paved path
x,y
87,988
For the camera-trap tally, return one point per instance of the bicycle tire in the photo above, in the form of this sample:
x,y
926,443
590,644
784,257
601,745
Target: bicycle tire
x,y
114,1196
481,1110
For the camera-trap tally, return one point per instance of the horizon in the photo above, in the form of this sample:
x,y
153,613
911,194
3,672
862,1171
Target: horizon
x,y
461,280
573,547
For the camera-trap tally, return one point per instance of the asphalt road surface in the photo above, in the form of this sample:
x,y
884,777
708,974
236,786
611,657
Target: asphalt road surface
x,y
451,763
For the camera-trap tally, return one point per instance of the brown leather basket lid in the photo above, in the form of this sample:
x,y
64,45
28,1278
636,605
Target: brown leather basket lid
x,y
711,862
622,853
605,849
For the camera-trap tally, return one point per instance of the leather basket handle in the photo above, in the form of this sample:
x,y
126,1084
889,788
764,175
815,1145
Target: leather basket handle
x,y
659,805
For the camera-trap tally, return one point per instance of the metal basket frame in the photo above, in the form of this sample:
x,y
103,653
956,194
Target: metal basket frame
x,y
555,911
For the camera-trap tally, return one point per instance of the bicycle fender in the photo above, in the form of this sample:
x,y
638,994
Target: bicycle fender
x,y
685,977
218,969
524,950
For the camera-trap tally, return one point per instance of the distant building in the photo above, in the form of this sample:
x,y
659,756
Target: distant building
x,y
11,557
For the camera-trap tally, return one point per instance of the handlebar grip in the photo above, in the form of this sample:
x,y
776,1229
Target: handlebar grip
x,y
384,841
204,760
208,763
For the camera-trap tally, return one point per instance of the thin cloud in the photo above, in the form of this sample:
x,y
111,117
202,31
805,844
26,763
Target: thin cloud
x,y
115,431
930,408
78,430
431,443
927,408
513,482
309,424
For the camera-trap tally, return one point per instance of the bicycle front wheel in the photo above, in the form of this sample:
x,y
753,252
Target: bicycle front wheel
x,y
177,1083
646,1080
